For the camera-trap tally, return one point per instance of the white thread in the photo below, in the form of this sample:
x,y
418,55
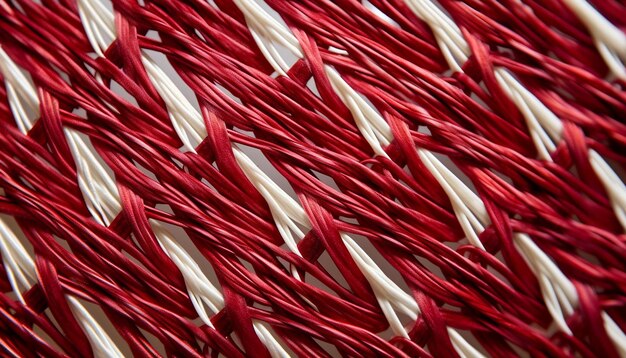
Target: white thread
x,y
22,274
545,127
98,188
17,262
267,338
610,40
388,293
267,32
199,287
371,124
558,292
463,348
448,35
612,183
99,24
185,118
202,291
467,206
285,210
21,94
379,13
615,334
102,344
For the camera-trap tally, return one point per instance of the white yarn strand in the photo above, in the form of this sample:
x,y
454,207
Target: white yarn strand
x,y
199,287
21,94
102,344
99,24
544,126
447,33
267,33
610,40
97,186
18,264
612,183
468,207
370,123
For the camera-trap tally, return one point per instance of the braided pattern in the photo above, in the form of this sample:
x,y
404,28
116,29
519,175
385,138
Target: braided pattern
x,y
312,178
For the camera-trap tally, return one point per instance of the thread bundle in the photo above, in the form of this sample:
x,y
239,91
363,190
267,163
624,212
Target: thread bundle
x,y
312,178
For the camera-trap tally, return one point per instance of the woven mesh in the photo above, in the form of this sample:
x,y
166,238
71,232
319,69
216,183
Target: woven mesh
x,y
312,178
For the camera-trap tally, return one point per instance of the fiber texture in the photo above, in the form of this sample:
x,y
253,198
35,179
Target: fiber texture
x,y
312,178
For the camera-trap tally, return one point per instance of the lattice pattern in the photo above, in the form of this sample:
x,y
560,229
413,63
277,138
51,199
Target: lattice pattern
x,y
312,178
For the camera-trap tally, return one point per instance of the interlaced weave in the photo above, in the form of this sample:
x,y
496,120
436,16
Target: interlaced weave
x,y
312,178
